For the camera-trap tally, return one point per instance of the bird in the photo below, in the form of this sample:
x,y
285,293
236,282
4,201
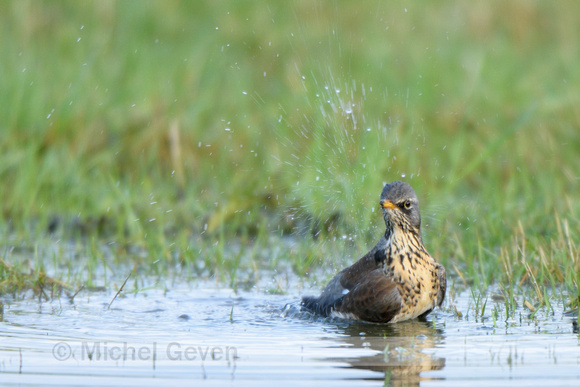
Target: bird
x,y
396,280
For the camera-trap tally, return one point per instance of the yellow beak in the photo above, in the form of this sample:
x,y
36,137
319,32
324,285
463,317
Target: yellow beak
x,y
387,204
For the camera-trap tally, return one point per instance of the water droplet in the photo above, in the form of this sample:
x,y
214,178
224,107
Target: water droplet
x,y
403,175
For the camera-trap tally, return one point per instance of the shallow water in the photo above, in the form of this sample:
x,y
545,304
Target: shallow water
x,y
219,336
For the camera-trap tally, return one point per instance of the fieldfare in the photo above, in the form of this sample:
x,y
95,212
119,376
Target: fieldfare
x,y
397,280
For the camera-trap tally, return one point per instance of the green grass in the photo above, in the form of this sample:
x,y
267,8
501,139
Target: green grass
x,y
195,134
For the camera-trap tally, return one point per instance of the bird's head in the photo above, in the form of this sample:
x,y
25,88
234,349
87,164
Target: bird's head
x,y
400,207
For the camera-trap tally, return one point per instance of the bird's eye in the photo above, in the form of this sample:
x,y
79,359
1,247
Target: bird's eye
x,y
407,204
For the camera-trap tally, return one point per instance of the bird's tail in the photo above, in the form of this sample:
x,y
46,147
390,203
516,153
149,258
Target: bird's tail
x,y
311,304
319,305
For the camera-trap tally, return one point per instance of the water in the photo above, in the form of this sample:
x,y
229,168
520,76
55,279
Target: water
x,y
217,336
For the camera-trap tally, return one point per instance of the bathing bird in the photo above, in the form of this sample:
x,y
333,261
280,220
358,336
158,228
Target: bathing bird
x,y
397,280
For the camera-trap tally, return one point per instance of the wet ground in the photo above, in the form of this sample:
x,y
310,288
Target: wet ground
x,y
222,337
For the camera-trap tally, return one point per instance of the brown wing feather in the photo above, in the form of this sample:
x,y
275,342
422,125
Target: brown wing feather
x,y
375,298
345,281
354,274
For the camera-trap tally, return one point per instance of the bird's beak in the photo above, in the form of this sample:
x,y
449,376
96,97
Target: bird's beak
x,y
387,204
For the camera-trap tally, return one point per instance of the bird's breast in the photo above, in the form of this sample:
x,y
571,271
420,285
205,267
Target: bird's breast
x,y
415,274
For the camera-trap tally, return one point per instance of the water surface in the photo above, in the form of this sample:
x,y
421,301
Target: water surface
x,y
219,336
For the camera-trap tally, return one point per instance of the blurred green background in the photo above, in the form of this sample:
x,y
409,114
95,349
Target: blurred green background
x,y
213,120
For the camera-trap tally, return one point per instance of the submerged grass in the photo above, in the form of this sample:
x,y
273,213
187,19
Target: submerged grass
x,y
197,136
14,280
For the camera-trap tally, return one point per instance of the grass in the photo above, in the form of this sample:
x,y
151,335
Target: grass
x,y
16,280
199,135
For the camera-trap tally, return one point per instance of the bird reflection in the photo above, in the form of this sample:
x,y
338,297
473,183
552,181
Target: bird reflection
x,y
401,356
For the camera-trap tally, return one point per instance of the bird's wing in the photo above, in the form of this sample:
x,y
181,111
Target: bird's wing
x,y
354,274
340,285
375,298
345,281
